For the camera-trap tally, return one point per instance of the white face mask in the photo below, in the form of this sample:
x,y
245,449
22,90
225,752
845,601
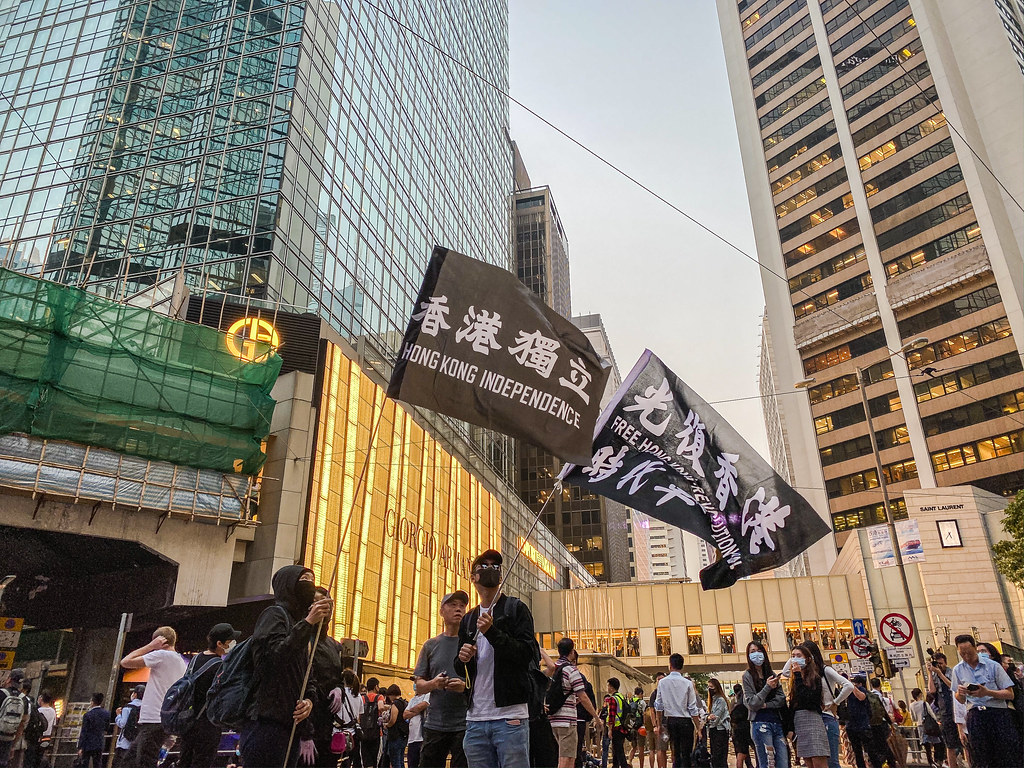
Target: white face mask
x,y
230,644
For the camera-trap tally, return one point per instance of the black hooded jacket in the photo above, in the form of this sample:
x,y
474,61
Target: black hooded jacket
x,y
280,647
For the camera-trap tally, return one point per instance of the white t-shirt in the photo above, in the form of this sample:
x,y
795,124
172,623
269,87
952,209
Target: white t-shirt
x,y
351,708
416,723
165,669
51,717
483,707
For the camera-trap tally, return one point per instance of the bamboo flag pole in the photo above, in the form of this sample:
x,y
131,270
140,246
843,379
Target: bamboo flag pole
x,y
334,572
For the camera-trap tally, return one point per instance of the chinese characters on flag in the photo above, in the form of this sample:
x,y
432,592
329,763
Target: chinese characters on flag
x,y
483,348
664,451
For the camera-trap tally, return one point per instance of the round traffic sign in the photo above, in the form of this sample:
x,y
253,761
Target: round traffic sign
x,y
896,629
861,646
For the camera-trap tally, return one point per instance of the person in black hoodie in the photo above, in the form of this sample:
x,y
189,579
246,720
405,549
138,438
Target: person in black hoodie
x,y
327,672
280,648
496,635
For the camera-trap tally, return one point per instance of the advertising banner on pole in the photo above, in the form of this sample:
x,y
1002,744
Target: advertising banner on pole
x,y
908,535
880,544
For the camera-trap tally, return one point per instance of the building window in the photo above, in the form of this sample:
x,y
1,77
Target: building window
x,y
810,631
662,641
793,636
983,450
618,643
727,638
759,634
828,635
633,643
844,630
695,640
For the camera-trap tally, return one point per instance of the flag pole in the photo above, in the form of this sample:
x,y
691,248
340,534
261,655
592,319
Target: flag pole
x,y
334,572
557,488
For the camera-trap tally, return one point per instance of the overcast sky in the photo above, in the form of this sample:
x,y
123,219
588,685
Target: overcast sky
x,y
644,85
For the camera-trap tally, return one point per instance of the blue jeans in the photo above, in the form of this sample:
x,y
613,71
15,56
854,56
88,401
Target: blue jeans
x,y
497,744
832,728
769,734
396,753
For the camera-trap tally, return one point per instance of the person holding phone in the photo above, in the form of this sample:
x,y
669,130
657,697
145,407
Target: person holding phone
x,y
985,688
766,703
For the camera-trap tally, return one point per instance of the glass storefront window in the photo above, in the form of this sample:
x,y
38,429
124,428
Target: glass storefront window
x,y
602,642
662,641
844,630
618,643
793,636
633,642
695,639
727,638
759,634
810,631
828,635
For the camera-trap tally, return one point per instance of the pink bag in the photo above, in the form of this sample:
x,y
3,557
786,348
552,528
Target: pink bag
x,y
339,743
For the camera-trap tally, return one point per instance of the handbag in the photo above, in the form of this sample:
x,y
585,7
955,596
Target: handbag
x,y
346,734
931,725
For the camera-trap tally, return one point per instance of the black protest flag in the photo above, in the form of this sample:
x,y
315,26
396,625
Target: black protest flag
x,y
483,348
662,450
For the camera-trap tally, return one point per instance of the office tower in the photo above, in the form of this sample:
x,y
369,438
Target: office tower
x,y
639,539
884,159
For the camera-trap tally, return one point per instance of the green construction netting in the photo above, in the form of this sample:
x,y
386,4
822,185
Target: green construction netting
x,y
78,367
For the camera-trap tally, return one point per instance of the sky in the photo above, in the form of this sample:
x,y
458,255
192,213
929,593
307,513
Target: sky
x,y
644,85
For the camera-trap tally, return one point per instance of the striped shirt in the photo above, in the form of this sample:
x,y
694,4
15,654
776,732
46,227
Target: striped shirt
x,y
572,685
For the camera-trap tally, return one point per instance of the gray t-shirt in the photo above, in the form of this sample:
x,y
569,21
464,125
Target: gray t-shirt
x,y
447,710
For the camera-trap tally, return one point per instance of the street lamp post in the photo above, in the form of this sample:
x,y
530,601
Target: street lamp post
x,y
862,380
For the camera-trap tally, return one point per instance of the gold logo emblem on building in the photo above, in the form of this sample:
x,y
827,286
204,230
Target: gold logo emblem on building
x,y
247,336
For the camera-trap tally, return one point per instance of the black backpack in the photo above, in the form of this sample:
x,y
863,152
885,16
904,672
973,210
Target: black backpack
x,y
35,726
180,711
400,729
131,725
230,694
556,696
369,722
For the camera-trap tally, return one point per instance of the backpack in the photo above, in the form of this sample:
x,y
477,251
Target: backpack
x,y
620,711
12,709
555,697
227,702
878,713
131,726
634,716
180,711
369,718
36,725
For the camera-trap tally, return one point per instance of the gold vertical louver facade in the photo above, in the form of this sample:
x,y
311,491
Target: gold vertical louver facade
x,y
418,520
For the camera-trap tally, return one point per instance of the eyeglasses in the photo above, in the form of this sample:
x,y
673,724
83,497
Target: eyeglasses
x,y
488,567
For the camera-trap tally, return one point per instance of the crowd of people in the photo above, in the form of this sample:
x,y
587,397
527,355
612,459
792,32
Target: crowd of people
x,y
487,696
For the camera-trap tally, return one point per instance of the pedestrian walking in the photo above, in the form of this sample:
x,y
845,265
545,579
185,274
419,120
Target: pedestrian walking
x,y
92,734
166,667
985,688
444,724
677,713
280,652
805,699
127,721
496,648
567,687
719,724
198,746
739,716
938,686
929,731
373,705
766,702
34,757
414,713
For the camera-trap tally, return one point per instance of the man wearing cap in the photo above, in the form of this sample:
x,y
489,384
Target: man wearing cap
x,y
444,723
199,745
12,702
496,635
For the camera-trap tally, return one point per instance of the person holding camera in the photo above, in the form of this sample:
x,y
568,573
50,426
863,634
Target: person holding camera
x,y
985,688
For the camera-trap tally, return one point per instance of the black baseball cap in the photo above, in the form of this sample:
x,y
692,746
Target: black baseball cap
x,y
491,554
224,632
140,691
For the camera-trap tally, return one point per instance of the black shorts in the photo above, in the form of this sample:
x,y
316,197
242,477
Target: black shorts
x,y
742,741
950,735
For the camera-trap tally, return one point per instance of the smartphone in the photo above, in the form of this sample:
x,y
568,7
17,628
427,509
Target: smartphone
x,y
973,687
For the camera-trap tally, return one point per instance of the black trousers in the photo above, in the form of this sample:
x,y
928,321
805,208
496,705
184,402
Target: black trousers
x,y
993,738
438,745
619,750
680,733
369,750
581,736
264,742
199,746
864,741
146,748
543,747
719,741
412,752
92,758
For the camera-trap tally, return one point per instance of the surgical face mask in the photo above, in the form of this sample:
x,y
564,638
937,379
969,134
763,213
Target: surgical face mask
x,y
230,644
757,658
488,577
800,661
984,655
305,592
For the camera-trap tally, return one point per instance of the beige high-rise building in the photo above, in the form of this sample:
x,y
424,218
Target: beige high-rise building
x,y
883,149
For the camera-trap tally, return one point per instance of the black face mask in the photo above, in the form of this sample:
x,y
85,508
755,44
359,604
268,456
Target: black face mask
x,y
305,593
489,578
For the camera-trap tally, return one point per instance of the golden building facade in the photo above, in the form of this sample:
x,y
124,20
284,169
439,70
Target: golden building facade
x,y
409,534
